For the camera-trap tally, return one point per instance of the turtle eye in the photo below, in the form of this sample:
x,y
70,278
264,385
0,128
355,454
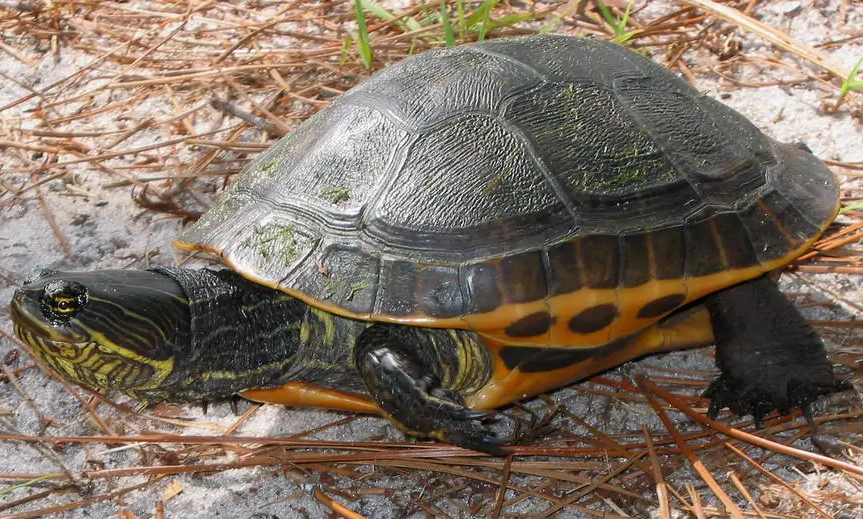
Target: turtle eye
x,y
64,305
62,299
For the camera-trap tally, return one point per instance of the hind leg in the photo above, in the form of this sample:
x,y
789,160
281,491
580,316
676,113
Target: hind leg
x,y
770,357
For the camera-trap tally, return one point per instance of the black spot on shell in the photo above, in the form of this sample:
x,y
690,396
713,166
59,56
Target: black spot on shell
x,y
593,319
534,360
660,306
538,360
530,325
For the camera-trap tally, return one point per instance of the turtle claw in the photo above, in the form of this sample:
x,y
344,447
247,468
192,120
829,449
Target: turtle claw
x,y
716,394
740,399
758,420
448,420
476,415
470,434
760,398
809,416
486,442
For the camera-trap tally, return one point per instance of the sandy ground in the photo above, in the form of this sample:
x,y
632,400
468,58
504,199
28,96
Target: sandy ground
x,y
105,228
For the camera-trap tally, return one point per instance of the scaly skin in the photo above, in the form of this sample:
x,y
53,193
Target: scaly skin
x,y
770,357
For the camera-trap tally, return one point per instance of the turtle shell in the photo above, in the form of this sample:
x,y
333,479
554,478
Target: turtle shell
x,y
543,190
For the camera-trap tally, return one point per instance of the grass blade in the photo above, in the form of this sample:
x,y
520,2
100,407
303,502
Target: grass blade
x,y
481,17
363,46
462,21
408,23
449,36
617,24
851,83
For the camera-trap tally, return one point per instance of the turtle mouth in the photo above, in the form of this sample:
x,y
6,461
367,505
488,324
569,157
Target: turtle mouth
x,y
24,322
47,347
70,359
55,350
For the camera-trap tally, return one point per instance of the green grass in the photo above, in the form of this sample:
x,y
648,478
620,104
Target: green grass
x,y
479,22
448,34
26,484
462,18
460,21
618,23
364,47
346,50
856,206
480,19
852,83
407,23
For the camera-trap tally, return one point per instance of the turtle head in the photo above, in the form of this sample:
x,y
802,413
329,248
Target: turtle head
x,y
114,329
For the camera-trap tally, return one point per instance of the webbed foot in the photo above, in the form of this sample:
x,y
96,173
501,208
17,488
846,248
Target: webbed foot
x,y
770,357
409,390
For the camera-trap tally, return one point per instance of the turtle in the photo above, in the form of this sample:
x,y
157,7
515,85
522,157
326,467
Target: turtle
x,y
466,228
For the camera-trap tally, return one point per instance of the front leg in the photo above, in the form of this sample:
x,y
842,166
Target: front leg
x,y
418,377
770,357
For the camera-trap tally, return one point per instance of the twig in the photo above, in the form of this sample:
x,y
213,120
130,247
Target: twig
x,y
749,438
777,479
498,506
335,506
696,463
46,512
15,54
661,488
745,493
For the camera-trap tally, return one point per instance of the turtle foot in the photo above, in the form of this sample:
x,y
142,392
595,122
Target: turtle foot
x,y
407,387
770,357
443,415
419,406
762,396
